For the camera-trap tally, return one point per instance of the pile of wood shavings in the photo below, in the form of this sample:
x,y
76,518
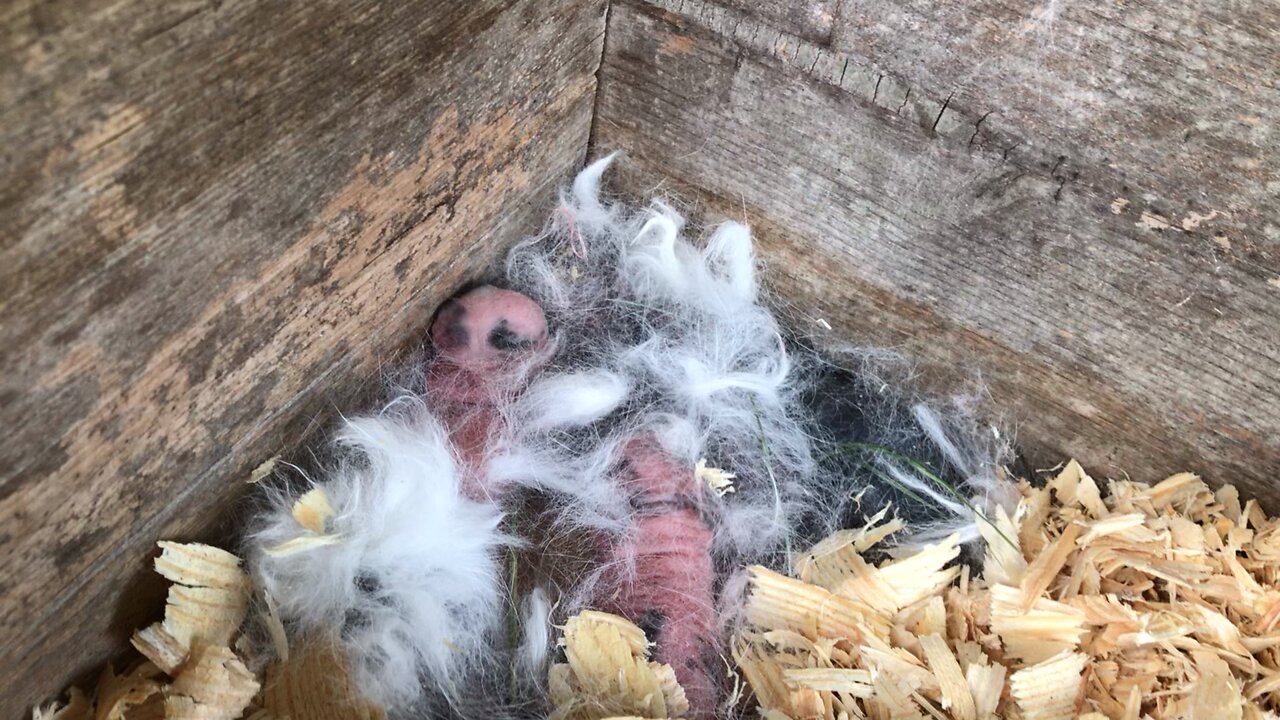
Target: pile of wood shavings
x,y
194,662
188,669
608,674
1153,602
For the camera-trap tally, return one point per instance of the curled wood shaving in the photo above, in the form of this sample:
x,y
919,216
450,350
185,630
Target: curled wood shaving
x,y
780,602
207,603
956,696
313,511
1215,692
1116,600
302,543
263,471
986,685
157,645
609,674
1052,689
197,565
189,671
270,615
719,481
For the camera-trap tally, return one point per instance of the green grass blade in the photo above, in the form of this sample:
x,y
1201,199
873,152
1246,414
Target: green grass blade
x,y
768,466
928,473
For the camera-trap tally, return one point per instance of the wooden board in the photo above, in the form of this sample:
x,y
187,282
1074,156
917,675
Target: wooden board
x,y
1076,202
219,217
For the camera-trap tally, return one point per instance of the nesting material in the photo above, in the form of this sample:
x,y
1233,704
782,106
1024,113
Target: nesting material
x,y
194,666
647,425
206,606
214,684
608,673
678,336
189,670
312,512
680,421
1151,601
387,555
315,684
134,694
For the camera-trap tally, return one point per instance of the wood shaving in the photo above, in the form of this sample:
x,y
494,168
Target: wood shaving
x,y
315,684
263,471
1146,601
157,645
608,673
206,606
188,670
1151,601
215,686
275,627
1050,689
78,707
312,511
720,481
302,543
117,694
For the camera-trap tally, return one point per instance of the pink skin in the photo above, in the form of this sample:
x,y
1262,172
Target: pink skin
x,y
485,338
672,593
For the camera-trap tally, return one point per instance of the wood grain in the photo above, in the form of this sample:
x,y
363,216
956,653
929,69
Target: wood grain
x,y
218,219
812,20
1079,206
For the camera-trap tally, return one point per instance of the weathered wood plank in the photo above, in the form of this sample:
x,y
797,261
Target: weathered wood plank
x,y
219,218
813,20
1081,209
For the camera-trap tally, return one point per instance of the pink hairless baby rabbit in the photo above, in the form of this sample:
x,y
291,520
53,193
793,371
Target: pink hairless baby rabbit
x,y
487,340
671,593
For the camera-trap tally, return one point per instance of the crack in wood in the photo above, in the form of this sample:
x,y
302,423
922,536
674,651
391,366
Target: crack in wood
x,y
905,99
937,119
788,48
977,127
